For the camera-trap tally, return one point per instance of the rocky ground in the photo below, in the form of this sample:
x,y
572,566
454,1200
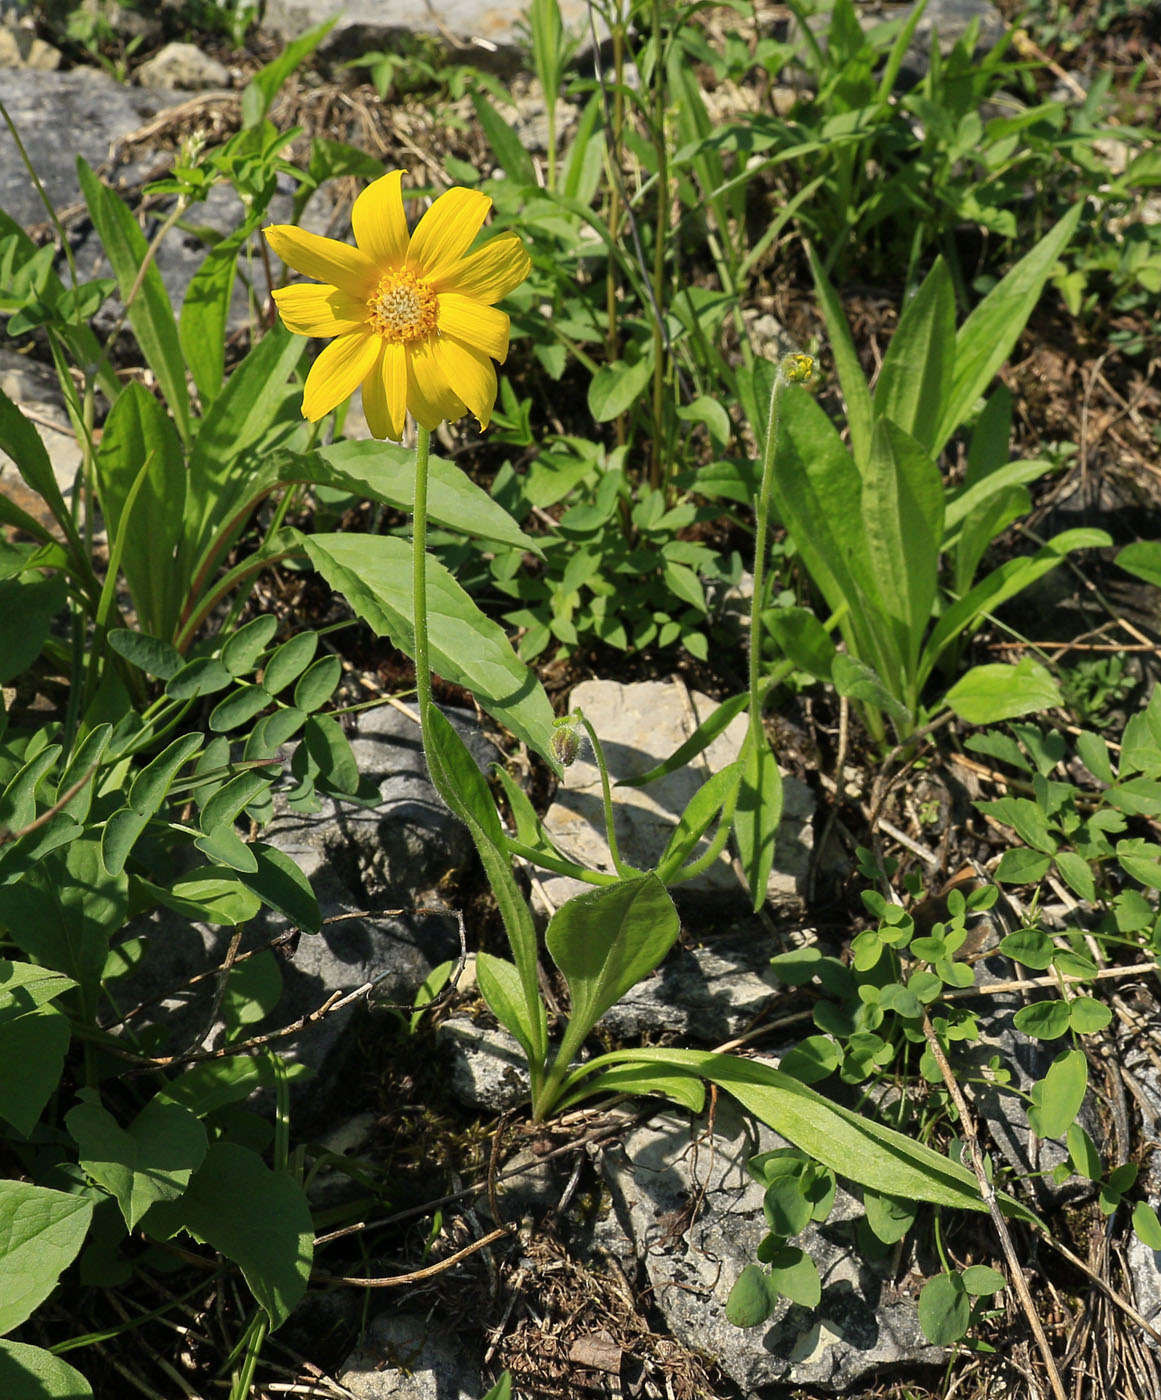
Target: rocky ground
x,y
615,1235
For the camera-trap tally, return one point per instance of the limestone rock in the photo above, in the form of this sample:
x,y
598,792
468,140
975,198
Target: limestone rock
x,y
484,27
407,1356
863,1321
183,67
639,725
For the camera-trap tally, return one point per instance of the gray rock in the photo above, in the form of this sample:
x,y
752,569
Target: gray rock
x,y
409,841
484,28
406,1356
639,725
89,112
488,1068
183,67
20,48
705,994
669,1169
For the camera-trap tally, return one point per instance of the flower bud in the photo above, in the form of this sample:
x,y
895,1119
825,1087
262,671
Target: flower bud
x,y
565,744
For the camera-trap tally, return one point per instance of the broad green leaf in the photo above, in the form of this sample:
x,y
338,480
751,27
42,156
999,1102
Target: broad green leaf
x,y
501,987
1146,1226
902,513
1087,1015
1044,1020
605,942
987,694
982,1282
289,661
1082,1150
793,1274
41,1233
244,416
208,893
32,1047
258,1218
758,813
1022,867
945,1309
1140,859
920,360
149,654
802,639
18,803
152,784
1029,947
139,432
986,338
1056,1099
1077,874
152,1160
750,1302
206,1087
31,1373
890,1217
615,388
63,912
852,1145
150,312
283,886
243,648
205,311
1142,558
386,472
858,681
28,604
24,986
467,648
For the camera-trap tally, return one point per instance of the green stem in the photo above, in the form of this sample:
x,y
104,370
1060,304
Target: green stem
x,y
497,864
761,530
607,801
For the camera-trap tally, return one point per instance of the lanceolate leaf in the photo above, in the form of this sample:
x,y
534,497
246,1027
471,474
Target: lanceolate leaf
x,y
986,338
852,1145
604,943
374,574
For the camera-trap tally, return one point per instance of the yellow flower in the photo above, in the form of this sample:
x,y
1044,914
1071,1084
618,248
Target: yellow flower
x,y
414,319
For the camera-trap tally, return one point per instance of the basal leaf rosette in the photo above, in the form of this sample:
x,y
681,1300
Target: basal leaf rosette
x,y
412,318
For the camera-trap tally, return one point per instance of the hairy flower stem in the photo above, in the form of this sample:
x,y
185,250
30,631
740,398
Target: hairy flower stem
x,y
494,855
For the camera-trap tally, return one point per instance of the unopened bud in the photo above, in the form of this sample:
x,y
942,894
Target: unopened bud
x,y
566,744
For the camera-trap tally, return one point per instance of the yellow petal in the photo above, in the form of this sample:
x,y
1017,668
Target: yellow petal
x,y
339,370
385,393
474,323
472,376
324,259
308,308
488,274
430,397
378,221
445,232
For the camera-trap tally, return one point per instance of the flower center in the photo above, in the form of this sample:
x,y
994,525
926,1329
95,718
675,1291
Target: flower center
x,y
403,307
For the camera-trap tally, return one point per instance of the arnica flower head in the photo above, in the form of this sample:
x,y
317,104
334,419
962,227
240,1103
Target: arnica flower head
x,y
414,317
